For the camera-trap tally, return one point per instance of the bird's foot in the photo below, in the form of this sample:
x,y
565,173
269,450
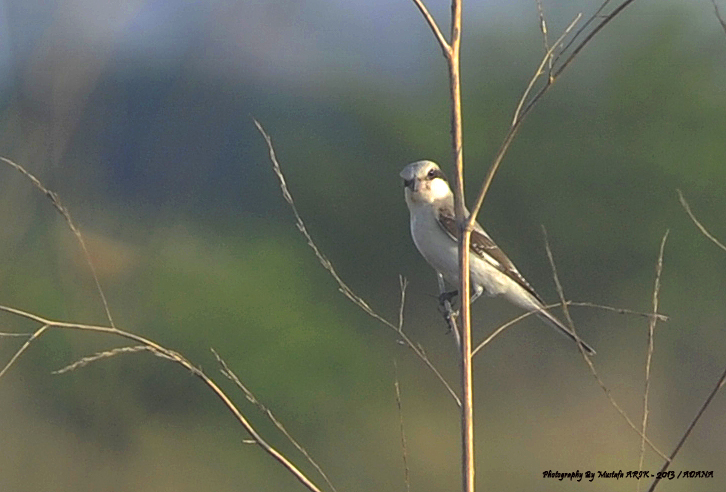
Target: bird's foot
x,y
447,311
445,297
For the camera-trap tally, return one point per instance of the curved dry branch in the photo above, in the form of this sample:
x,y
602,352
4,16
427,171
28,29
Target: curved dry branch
x,y
700,226
172,356
718,15
55,200
669,459
524,109
229,374
540,71
586,358
342,286
445,47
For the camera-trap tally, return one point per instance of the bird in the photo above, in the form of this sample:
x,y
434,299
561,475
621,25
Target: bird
x,y
435,233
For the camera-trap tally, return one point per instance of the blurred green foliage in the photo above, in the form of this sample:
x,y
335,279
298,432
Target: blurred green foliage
x,y
168,168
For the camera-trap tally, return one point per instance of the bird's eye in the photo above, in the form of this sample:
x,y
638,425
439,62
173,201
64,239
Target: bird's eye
x,y
432,174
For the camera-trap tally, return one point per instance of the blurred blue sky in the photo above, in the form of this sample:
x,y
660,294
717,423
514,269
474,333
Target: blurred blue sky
x,y
268,39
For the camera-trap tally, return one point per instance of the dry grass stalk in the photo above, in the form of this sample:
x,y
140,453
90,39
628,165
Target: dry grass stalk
x,y
55,200
649,355
147,344
229,374
342,286
721,381
102,355
587,359
174,357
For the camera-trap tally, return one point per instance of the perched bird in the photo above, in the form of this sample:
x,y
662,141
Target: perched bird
x,y
435,233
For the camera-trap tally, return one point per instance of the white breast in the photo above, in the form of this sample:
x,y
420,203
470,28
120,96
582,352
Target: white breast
x,y
435,245
441,252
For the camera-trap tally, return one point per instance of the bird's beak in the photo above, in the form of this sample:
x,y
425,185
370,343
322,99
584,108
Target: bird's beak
x,y
410,184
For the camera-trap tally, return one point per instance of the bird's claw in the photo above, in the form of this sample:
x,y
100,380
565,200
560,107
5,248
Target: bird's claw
x,y
445,297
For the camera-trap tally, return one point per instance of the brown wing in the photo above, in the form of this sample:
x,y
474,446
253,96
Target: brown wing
x,y
484,247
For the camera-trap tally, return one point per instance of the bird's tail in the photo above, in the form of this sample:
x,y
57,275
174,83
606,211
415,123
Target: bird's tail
x,y
560,327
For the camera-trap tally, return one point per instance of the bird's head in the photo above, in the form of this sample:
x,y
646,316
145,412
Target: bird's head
x,y
424,182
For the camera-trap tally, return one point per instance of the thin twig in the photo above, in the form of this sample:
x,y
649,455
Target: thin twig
x,y
434,28
540,70
24,347
722,380
621,411
499,330
718,15
587,359
669,459
174,357
522,112
582,29
342,286
519,318
404,448
55,200
403,283
700,226
649,356
561,293
543,29
658,316
518,119
229,374
604,22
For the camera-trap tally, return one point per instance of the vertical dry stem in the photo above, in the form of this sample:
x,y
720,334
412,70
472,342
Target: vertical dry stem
x,y
451,52
649,356
457,137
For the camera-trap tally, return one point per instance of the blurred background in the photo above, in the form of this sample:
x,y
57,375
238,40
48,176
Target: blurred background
x,y
139,114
